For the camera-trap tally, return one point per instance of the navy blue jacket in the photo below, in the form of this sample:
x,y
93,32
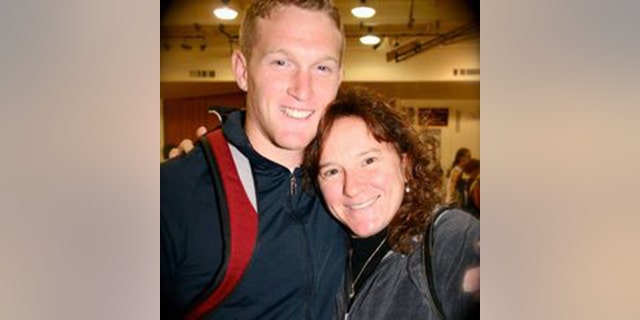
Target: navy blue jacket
x,y
300,254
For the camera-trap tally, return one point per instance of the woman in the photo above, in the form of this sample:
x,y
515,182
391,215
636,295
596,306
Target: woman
x,y
463,155
468,188
377,181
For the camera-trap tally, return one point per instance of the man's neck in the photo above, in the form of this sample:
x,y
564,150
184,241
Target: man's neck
x,y
289,159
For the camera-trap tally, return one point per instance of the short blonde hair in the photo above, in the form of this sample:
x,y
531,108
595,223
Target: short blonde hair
x,y
264,8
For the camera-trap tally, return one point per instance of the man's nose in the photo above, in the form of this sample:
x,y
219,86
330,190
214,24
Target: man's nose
x,y
300,87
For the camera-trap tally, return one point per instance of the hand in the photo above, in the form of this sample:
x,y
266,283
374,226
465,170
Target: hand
x,y
471,282
186,145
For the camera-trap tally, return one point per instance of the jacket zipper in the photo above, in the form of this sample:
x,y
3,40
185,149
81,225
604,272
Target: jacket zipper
x,y
292,186
292,191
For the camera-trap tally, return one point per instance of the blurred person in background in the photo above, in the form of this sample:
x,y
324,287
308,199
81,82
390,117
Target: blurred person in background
x,y
468,188
463,155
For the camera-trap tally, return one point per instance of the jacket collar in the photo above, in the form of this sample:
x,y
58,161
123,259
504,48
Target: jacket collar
x,y
233,129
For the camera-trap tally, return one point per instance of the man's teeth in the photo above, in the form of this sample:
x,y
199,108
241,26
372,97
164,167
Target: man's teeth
x,y
297,113
363,205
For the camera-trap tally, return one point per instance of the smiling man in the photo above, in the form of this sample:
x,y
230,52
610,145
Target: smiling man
x,y
291,74
289,64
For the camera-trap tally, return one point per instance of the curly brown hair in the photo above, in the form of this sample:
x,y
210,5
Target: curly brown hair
x,y
386,124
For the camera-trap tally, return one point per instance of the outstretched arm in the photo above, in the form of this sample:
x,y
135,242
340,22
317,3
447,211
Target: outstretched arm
x,y
457,264
186,145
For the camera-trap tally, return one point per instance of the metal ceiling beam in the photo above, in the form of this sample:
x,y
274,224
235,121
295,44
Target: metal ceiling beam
x,y
414,47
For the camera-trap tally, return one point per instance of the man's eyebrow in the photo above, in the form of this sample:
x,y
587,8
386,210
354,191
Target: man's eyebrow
x,y
276,51
329,58
286,53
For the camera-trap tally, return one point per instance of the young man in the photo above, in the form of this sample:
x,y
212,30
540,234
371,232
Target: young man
x,y
289,64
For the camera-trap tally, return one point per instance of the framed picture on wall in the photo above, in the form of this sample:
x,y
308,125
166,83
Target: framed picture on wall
x,y
433,117
410,114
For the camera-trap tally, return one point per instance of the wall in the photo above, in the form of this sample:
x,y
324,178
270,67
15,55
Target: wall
x,y
462,130
362,63
436,64
181,117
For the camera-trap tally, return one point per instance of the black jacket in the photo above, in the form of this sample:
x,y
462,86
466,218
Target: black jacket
x,y
300,252
397,289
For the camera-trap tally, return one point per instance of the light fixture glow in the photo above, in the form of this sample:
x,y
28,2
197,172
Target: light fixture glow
x,y
363,12
225,13
370,39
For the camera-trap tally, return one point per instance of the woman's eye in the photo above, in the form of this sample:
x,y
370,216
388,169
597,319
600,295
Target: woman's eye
x,y
370,160
329,173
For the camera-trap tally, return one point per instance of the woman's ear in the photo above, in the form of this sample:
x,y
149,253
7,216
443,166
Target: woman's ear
x,y
406,163
239,66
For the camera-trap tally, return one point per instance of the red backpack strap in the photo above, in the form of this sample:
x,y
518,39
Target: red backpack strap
x,y
242,225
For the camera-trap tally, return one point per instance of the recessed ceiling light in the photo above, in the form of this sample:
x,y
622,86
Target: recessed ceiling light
x,y
370,39
225,13
363,12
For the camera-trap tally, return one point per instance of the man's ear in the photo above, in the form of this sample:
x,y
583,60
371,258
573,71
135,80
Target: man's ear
x,y
239,64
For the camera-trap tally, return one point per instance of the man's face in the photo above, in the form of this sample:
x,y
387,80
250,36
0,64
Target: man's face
x,y
293,74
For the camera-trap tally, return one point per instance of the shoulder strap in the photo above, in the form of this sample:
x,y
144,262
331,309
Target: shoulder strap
x,y
239,222
428,239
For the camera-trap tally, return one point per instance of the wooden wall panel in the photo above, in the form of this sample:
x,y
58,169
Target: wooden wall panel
x,y
183,116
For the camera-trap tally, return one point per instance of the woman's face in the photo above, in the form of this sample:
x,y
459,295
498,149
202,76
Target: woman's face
x,y
361,179
465,159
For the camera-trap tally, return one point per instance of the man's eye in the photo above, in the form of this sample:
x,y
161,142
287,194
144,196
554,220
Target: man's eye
x,y
279,62
324,68
370,160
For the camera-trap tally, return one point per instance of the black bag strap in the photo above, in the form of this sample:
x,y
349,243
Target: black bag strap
x,y
239,222
428,240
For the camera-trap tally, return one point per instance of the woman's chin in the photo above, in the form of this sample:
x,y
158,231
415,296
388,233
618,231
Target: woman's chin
x,y
365,232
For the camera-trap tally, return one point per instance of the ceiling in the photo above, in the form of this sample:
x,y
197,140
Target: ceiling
x,y
405,90
400,23
192,21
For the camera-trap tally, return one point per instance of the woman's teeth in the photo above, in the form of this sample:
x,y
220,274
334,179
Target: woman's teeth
x,y
362,205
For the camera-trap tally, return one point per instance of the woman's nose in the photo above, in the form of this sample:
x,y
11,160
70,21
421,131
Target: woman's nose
x,y
353,183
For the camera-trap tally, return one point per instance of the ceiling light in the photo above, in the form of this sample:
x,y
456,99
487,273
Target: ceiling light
x,y
363,12
225,12
370,39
